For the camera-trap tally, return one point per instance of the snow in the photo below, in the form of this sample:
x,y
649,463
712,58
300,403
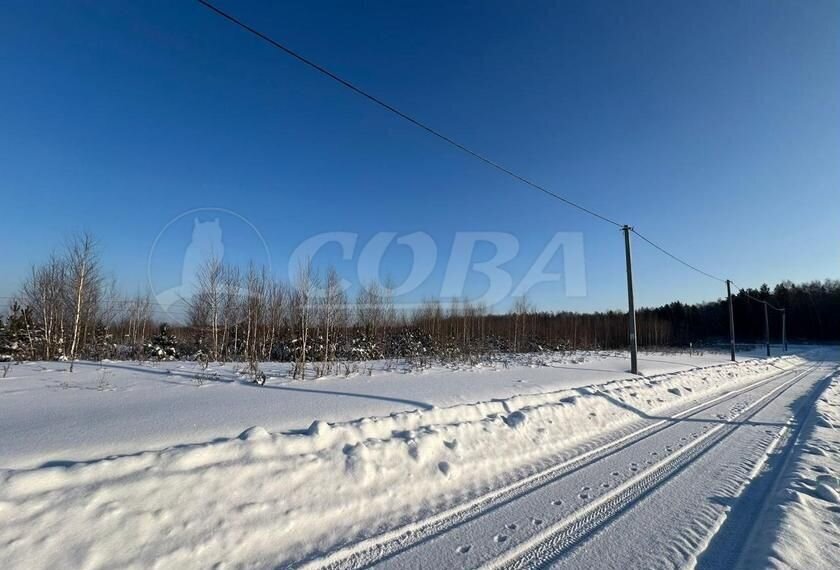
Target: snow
x,y
800,527
47,413
651,498
827,492
143,467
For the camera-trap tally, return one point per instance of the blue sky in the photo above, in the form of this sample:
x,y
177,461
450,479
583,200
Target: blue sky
x,y
712,127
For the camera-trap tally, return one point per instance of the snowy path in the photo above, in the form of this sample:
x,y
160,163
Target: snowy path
x,y
653,498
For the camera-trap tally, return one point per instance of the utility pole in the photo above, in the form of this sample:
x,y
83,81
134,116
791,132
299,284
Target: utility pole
x,y
784,330
766,329
631,313
731,320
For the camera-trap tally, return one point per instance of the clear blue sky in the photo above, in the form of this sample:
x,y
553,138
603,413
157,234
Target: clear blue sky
x,y
713,127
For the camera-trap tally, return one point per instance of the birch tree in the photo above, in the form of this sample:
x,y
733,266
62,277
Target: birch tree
x,y
84,274
210,280
231,309
44,291
303,291
332,315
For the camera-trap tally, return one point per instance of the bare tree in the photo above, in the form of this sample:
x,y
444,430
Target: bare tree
x,y
45,293
302,301
333,308
520,310
278,298
256,285
231,309
370,310
85,280
210,293
139,316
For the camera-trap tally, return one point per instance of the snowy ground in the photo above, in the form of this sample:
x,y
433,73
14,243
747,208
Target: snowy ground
x,y
801,520
48,414
568,462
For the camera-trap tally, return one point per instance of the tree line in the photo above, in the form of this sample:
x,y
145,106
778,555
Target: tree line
x,y
67,309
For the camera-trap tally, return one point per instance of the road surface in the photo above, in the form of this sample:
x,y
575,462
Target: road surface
x,y
675,491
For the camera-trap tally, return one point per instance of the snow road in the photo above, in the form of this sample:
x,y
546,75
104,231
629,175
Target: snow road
x,y
671,493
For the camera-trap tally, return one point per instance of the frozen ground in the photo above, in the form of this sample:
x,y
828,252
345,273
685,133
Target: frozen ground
x,y
800,524
568,463
46,413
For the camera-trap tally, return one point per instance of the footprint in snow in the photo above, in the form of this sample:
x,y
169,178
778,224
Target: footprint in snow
x,y
510,526
584,496
500,538
463,549
557,502
537,522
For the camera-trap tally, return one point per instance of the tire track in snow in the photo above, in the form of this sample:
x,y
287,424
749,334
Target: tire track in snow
x,y
726,549
553,542
377,548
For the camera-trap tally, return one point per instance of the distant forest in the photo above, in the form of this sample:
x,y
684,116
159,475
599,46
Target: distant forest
x,y
66,309
813,315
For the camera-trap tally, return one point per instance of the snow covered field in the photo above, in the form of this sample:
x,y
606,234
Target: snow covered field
x,y
46,413
562,460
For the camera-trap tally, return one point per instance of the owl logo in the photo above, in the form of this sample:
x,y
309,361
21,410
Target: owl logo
x,y
206,244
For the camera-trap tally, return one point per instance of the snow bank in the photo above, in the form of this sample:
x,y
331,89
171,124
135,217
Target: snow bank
x,y
122,407
264,499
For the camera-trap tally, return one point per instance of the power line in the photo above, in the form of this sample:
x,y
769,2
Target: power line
x,y
401,114
756,299
392,109
432,131
672,256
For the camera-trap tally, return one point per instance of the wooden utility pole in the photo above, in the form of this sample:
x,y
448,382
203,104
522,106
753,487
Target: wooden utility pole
x,y
766,329
631,313
731,320
784,330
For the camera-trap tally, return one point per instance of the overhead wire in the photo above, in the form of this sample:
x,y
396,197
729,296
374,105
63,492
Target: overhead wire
x,y
449,140
756,299
392,109
674,257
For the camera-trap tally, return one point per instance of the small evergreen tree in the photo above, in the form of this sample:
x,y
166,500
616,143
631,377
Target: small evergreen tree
x,y
163,346
17,336
5,345
103,344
